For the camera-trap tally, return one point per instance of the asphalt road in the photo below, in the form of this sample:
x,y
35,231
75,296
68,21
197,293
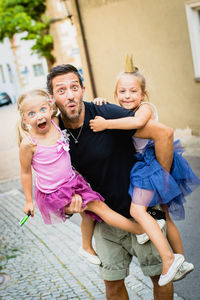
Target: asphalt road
x,y
189,288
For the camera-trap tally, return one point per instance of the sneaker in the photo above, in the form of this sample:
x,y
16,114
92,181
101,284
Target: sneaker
x,y
93,259
185,269
143,238
173,269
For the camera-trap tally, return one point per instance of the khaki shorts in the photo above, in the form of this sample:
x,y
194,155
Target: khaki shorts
x,y
116,248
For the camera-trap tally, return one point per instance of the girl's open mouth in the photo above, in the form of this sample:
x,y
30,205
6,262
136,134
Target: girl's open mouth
x,y
42,125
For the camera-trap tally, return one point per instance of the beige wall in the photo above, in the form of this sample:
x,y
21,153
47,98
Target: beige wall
x,y
156,33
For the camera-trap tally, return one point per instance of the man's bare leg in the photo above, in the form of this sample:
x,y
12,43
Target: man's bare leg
x,y
162,292
116,290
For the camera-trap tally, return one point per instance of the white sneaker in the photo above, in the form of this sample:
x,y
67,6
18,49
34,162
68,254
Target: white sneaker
x,y
185,269
143,238
93,259
173,269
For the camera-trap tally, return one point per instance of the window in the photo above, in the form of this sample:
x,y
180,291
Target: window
x,y
2,74
10,73
193,18
38,70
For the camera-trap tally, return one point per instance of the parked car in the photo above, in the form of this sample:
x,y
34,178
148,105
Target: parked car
x,y
5,98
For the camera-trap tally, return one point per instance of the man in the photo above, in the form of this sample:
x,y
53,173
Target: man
x,y
105,160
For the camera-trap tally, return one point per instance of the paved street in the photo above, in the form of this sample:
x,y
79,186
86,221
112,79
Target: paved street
x,y
41,262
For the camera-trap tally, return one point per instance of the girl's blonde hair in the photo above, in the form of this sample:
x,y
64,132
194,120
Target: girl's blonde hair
x,y
22,130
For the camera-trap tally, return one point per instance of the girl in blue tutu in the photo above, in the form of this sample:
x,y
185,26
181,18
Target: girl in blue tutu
x,y
150,183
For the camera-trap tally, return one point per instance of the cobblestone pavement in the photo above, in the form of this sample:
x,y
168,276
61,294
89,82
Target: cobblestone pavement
x,y
42,261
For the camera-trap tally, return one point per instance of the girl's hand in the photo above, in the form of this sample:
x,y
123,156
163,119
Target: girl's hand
x,y
99,101
98,124
29,207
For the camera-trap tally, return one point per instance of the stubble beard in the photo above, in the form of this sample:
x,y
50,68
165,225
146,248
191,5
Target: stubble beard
x,y
73,117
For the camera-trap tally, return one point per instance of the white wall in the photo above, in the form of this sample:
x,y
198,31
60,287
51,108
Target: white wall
x,y
26,60
10,84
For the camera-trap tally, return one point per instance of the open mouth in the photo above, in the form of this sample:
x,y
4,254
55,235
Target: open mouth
x,y
42,125
71,105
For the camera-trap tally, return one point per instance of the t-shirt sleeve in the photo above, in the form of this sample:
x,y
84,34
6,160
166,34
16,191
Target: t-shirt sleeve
x,y
112,111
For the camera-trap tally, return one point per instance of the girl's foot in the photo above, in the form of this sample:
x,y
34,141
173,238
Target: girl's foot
x,y
173,269
92,258
185,269
143,238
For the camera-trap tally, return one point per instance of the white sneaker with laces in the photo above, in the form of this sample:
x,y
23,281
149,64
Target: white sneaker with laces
x,y
143,238
173,269
185,269
93,259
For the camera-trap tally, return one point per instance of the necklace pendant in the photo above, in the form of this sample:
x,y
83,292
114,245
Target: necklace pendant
x,y
76,142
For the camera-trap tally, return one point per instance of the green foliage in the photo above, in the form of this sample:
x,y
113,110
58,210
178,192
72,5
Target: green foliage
x,y
17,16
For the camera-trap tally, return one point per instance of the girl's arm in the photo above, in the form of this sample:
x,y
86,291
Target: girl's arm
x,y
142,116
25,156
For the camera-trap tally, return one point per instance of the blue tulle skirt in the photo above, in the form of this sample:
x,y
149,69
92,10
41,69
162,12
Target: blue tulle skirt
x,y
150,184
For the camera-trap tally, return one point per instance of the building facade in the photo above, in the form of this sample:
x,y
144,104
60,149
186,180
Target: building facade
x,y
9,81
164,38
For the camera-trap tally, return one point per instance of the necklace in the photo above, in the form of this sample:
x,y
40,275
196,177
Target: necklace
x,y
76,139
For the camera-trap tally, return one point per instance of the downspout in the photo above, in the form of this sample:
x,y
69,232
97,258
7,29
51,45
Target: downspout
x,y
87,57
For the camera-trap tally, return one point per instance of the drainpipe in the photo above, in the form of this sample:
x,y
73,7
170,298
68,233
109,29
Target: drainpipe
x,y
83,48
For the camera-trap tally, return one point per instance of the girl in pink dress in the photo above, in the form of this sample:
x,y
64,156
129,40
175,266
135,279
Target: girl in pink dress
x,y
43,147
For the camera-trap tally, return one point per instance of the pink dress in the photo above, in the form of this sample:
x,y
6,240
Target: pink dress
x,y
56,182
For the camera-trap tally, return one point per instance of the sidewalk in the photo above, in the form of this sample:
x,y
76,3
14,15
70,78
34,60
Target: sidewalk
x,y
41,262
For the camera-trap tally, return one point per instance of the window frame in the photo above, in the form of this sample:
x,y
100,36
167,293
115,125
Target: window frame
x,y
35,69
193,19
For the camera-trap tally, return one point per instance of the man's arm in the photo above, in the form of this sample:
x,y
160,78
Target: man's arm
x,y
163,139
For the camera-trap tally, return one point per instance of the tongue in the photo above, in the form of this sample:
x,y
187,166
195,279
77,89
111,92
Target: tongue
x,y
42,126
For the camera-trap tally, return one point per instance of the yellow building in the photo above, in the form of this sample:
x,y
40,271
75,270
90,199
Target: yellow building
x,y
164,38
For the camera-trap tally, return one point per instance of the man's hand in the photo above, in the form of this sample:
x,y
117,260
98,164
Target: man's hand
x,y
75,206
98,124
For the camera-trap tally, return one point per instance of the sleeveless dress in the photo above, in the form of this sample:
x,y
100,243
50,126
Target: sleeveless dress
x,y
56,181
150,184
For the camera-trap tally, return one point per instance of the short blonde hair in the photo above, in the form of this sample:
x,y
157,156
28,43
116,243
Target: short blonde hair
x,y
22,130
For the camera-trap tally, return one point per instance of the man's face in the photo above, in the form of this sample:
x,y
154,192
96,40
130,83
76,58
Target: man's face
x,y
68,95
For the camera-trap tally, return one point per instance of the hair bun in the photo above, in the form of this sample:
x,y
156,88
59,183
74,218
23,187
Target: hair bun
x,y
129,66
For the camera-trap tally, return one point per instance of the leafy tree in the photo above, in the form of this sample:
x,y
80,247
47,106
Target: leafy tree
x,y
28,16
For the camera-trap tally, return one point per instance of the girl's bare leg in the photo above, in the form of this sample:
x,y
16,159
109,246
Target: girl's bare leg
x,y
113,218
173,234
152,229
87,228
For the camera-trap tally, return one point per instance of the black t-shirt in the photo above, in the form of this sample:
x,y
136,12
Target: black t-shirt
x,y
105,158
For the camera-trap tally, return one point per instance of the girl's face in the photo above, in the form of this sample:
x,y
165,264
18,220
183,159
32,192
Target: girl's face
x,y
37,114
129,92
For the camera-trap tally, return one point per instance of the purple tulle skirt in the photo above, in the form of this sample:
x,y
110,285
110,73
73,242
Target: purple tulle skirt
x,y
52,206
150,184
